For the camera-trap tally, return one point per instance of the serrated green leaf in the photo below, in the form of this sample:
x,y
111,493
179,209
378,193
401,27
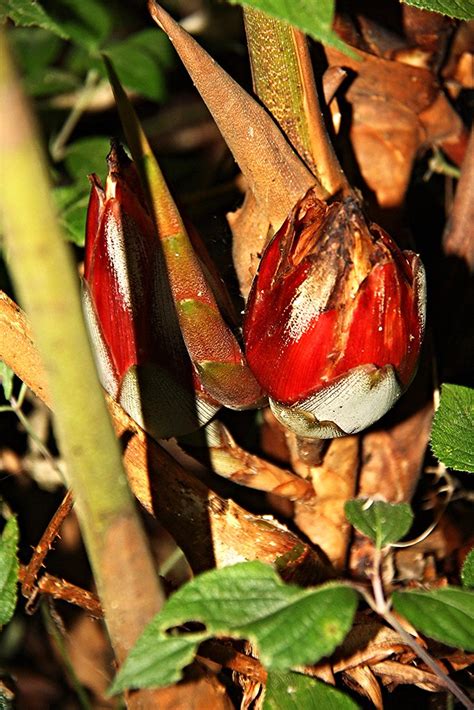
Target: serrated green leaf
x,y
462,9
446,614
86,156
294,691
467,572
8,570
452,438
382,522
313,18
289,625
138,69
6,379
29,13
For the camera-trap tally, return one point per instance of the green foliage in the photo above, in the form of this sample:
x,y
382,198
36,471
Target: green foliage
x,y
467,572
6,379
57,45
292,691
314,18
140,61
462,9
384,523
445,614
289,625
8,570
87,23
452,438
86,156
29,13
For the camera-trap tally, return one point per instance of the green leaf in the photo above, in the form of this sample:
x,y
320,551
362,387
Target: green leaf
x,y
384,523
446,614
51,81
157,44
293,691
73,220
313,18
86,156
29,13
6,379
8,570
88,23
289,625
452,438
140,61
34,48
467,572
138,69
462,9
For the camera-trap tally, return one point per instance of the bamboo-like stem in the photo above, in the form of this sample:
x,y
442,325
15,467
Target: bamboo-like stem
x,y
283,79
46,281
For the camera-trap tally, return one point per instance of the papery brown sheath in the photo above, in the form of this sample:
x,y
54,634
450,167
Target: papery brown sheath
x,y
140,353
335,320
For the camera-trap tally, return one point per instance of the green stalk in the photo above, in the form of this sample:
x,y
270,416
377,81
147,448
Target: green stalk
x,y
47,283
283,79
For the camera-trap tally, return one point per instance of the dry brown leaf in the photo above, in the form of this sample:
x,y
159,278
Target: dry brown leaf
x,y
393,674
230,461
368,642
395,112
210,530
322,518
365,683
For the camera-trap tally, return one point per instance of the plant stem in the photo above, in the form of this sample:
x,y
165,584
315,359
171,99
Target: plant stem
x,y
426,658
53,627
283,79
46,279
382,607
58,146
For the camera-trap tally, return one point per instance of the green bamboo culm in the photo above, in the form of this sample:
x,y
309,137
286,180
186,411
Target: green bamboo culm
x,y
47,284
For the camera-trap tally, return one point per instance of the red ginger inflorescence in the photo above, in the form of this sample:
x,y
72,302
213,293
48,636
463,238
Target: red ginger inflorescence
x,y
140,353
334,320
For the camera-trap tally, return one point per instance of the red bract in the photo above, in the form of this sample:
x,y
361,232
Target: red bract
x,y
132,319
334,320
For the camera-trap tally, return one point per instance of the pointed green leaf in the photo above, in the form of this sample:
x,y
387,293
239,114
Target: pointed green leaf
x,y
293,691
313,18
287,624
452,438
462,9
445,614
8,570
467,572
382,522
6,379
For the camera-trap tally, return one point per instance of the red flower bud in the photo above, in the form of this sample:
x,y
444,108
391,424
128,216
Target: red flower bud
x,y
334,320
140,353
